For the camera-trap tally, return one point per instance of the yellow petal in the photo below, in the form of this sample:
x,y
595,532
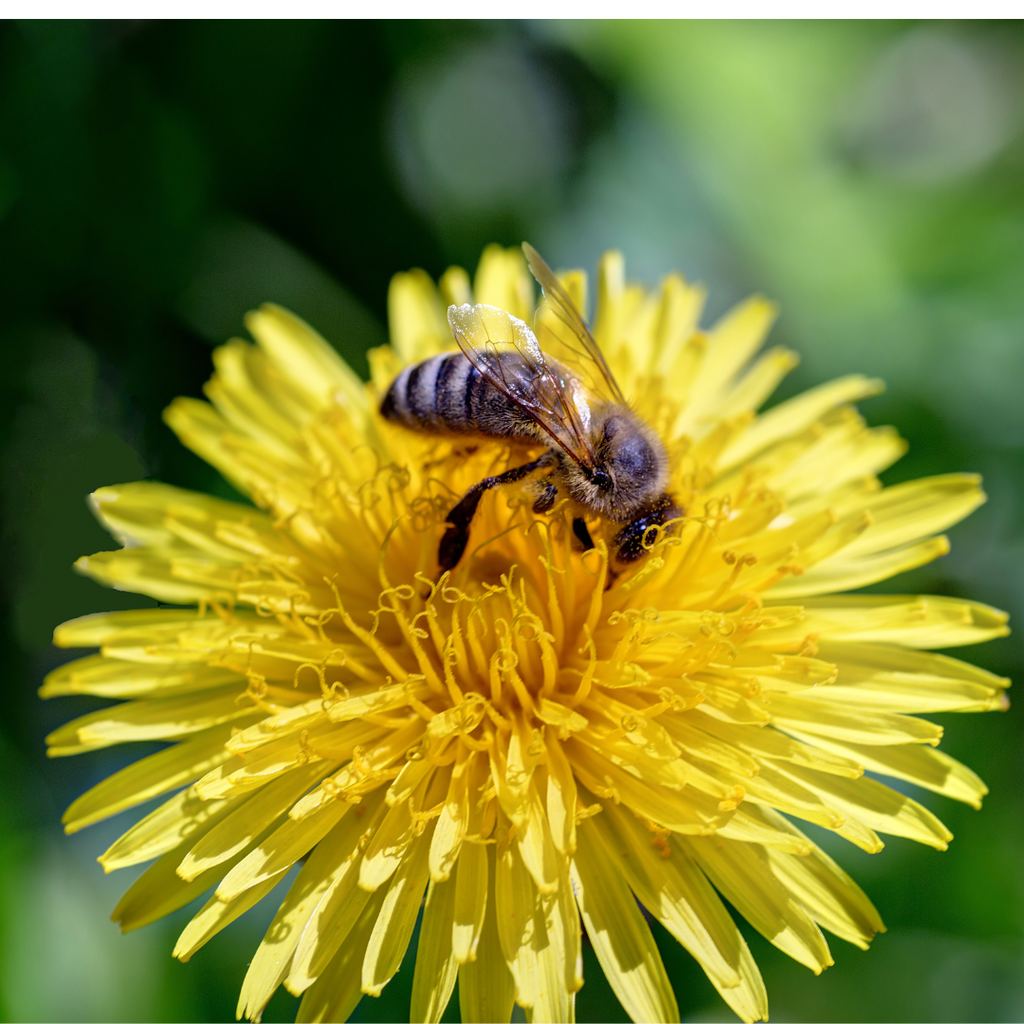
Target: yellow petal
x,y
611,285
563,717
845,572
376,702
776,746
472,883
831,719
826,892
796,414
383,747
750,825
393,930
758,383
699,737
337,991
450,829
774,788
162,718
697,813
280,850
236,392
846,451
269,966
295,719
781,792
876,806
149,777
912,695
216,916
915,509
436,967
146,512
621,937
742,873
387,848
538,939
186,642
675,891
109,677
883,677
920,622
502,280
455,287
97,629
416,317
923,766
731,344
202,429
303,357
242,826
339,904
408,781
561,799
160,890
486,986
184,815
536,849
270,762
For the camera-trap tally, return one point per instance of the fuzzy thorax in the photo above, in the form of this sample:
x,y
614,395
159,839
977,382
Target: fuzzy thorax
x,y
631,471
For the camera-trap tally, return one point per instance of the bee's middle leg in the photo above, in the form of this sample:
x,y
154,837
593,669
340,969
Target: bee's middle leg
x,y
579,528
456,537
548,494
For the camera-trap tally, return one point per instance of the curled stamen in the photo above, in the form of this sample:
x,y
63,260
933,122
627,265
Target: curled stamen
x,y
319,621
425,513
398,478
256,691
449,592
505,659
432,588
337,693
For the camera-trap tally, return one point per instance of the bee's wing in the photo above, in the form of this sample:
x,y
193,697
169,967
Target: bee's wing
x,y
506,353
571,342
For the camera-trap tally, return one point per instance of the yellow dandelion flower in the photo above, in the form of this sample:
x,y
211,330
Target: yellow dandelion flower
x,y
528,746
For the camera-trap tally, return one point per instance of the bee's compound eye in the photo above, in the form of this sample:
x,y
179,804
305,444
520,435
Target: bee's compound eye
x,y
602,479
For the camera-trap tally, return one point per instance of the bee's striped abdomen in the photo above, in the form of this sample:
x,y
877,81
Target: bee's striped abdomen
x,y
448,395
412,398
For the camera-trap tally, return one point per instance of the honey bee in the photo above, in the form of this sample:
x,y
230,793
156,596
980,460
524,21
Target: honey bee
x,y
503,384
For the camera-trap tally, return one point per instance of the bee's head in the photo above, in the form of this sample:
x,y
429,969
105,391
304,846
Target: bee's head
x,y
631,468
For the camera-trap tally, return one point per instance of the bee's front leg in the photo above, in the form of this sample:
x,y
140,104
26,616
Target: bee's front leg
x,y
456,537
629,542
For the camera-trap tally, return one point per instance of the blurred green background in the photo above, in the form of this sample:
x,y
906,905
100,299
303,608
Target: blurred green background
x,y
158,179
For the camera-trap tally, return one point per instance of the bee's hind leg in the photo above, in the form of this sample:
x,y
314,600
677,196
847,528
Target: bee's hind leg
x,y
456,537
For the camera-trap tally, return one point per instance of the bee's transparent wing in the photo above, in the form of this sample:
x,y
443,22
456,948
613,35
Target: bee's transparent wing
x,y
506,353
566,336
